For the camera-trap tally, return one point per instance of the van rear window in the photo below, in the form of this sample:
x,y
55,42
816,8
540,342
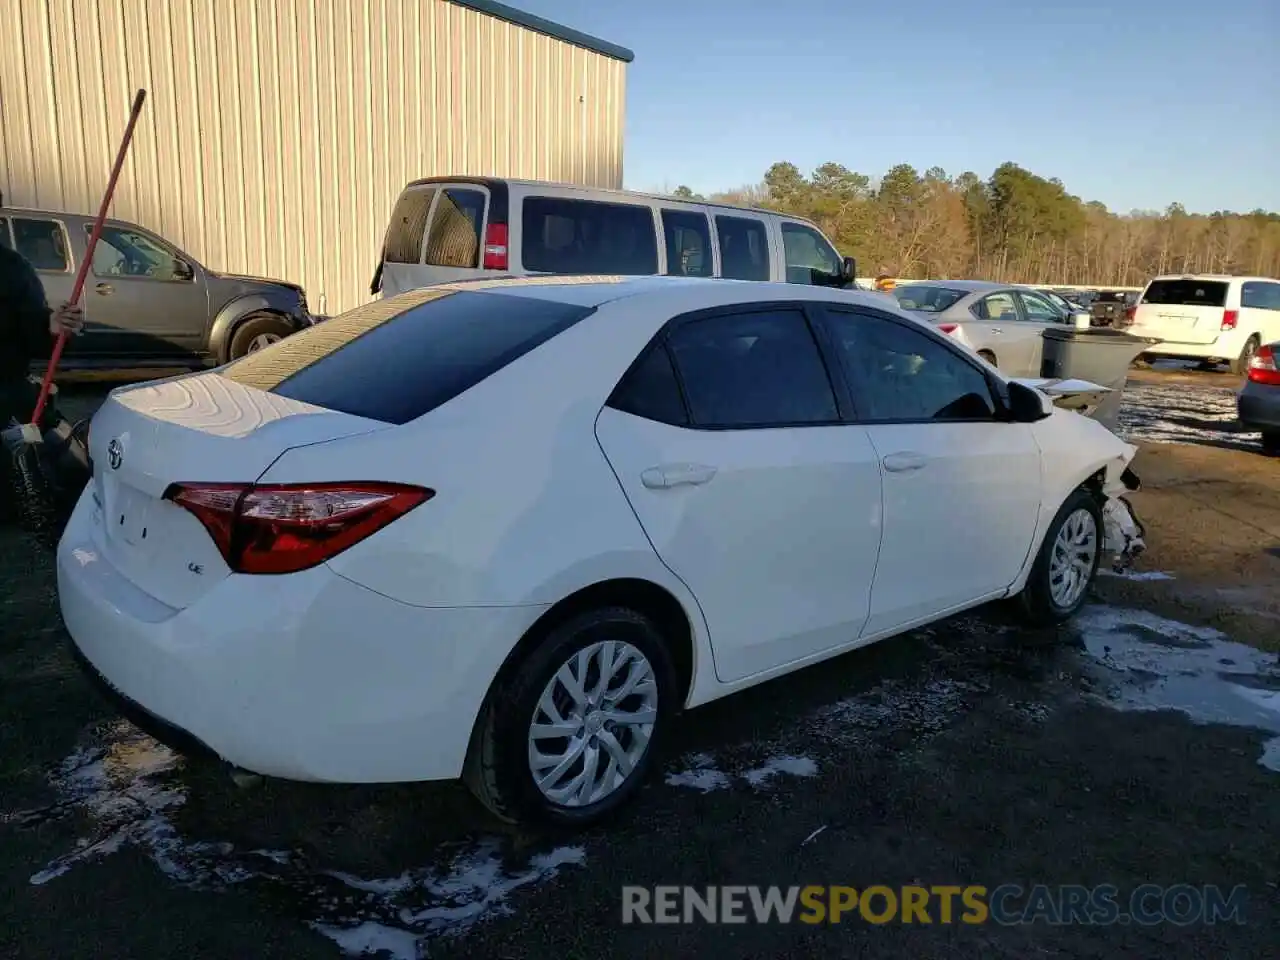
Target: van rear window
x,y
396,359
559,235
1187,293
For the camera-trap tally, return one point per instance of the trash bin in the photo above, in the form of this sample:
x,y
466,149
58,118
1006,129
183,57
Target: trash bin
x,y
1100,355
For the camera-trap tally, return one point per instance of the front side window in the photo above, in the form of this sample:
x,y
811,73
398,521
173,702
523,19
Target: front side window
x,y
752,369
126,253
43,243
688,237
565,236
1039,309
454,237
997,307
810,258
898,373
408,225
744,248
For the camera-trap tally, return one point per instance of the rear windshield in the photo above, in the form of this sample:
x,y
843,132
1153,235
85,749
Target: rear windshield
x,y
926,299
559,235
394,360
1187,293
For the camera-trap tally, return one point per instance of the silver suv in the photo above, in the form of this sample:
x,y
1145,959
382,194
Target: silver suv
x,y
145,300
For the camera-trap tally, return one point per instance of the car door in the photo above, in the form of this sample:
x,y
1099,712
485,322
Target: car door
x,y
143,296
961,485
727,439
43,242
1037,313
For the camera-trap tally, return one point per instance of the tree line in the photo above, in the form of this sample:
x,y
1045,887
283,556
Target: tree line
x,y
1013,227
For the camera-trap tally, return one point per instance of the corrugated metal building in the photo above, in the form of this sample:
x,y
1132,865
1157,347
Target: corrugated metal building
x,y
278,133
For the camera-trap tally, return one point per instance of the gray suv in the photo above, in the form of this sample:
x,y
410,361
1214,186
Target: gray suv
x,y
145,300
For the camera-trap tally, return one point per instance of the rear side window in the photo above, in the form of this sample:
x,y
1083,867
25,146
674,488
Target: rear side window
x,y
454,237
1260,295
1187,293
688,237
650,389
744,248
408,224
43,243
756,369
926,299
394,360
584,236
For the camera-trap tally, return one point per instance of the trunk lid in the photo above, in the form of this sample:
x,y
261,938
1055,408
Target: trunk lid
x,y
202,427
1181,310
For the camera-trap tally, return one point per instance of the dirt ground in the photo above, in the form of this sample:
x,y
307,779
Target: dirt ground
x,y
1140,744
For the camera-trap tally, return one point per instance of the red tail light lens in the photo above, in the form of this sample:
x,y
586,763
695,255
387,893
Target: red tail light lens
x,y
1229,318
948,328
1262,368
495,247
1129,312
284,528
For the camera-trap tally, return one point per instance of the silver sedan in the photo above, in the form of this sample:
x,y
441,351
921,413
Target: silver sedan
x,y
1002,323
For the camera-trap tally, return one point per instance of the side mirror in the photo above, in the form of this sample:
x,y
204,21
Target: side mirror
x,y
1026,404
848,272
183,270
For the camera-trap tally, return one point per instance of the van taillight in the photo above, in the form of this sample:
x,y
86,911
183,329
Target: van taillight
x,y
284,528
1229,318
495,247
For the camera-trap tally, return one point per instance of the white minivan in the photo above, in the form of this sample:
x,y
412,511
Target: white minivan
x,y
1213,318
445,229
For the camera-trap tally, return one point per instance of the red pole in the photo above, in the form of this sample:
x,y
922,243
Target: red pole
x,y
78,289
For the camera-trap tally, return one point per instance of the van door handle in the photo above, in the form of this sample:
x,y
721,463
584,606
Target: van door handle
x,y
676,474
105,289
904,462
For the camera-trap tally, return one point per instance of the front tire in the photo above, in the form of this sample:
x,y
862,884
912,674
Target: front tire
x,y
256,331
1067,563
1240,365
568,736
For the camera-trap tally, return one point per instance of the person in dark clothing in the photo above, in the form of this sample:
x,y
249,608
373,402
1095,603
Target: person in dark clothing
x,y
27,330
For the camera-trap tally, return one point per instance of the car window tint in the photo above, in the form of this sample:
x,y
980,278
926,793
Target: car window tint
x,y
1187,293
408,225
898,373
583,236
744,248
927,299
454,237
752,369
998,306
42,242
810,258
1260,295
688,237
1039,309
394,360
127,253
5,239
650,389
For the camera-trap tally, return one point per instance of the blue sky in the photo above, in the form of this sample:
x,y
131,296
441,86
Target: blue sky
x,y
1135,103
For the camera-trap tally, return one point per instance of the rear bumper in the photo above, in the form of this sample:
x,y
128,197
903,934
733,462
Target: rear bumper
x,y
304,677
1226,346
1258,407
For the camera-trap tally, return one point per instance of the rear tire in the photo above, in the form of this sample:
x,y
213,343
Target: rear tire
x,y
255,331
1067,562
1240,365
500,767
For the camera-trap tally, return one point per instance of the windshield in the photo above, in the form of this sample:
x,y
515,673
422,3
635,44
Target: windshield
x,y
1187,293
927,299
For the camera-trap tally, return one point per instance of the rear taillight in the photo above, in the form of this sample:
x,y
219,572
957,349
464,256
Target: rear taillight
x,y
1262,368
284,528
1129,312
1229,318
948,328
495,247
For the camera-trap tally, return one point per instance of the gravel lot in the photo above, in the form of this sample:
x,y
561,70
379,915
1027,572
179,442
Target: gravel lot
x,y
1140,744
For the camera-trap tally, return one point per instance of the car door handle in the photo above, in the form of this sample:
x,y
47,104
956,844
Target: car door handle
x,y
105,289
676,474
997,330
904,462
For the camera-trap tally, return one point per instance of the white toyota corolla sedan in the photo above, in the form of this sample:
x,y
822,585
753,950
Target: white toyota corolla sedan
x,y
508,530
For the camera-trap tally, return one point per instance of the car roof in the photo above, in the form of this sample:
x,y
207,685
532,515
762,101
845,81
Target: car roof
x,y
676,293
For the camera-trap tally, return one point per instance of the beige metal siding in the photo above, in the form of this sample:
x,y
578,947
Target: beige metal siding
x,y
278,133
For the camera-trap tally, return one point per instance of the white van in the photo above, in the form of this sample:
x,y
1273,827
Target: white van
x,y
445,229
1214,318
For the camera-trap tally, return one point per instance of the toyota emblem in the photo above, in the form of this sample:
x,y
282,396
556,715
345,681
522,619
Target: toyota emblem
x,y
115,453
